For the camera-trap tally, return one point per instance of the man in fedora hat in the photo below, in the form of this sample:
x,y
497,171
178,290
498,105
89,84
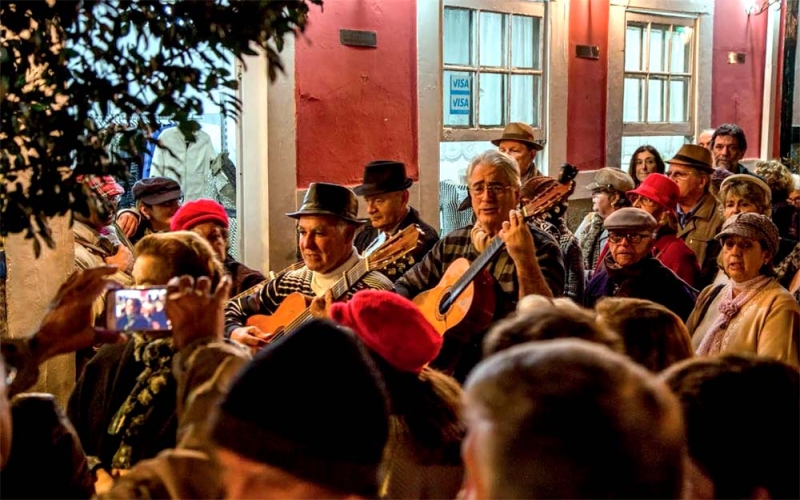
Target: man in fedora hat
x,y
699,213
519,142
326,225
385,190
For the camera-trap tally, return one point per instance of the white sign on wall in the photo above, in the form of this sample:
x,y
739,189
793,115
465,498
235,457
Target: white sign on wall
x,y
460,95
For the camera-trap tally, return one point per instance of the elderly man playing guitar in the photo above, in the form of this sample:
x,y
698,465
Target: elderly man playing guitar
x,y
326,226
520,259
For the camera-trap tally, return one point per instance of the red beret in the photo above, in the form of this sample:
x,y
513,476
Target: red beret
x,y
391,326
196,212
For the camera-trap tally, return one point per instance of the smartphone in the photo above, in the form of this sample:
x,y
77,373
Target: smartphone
x,y
137,309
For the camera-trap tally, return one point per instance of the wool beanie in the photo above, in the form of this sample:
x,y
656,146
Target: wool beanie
x,y
312,404
196,212
392,326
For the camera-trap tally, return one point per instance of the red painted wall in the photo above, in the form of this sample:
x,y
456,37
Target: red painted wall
x,y
738,89
586,105
355,104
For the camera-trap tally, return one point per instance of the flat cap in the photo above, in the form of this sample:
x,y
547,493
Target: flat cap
x,y
630,218
611,178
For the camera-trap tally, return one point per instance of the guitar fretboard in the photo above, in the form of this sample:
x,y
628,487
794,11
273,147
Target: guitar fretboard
x,y
494,246
339,289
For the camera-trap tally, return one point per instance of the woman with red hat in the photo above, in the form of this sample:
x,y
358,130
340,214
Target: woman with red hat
x,y
658,195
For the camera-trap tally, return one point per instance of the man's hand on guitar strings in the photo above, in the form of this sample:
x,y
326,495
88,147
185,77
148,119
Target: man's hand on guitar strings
x,y
252,337
517,237
320,306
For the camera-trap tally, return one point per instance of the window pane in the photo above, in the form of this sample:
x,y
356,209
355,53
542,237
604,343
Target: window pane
x,y
632,102
679,100
522,99
656,93
633,47
526,42
458,36
658,33
492,40
666,145
492,100
458,102
681,49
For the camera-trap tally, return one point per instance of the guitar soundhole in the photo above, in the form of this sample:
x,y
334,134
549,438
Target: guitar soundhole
x,y
445,303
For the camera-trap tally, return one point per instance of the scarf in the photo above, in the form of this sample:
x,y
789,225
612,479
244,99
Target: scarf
x,y
320,283
716,339
156,355
589,240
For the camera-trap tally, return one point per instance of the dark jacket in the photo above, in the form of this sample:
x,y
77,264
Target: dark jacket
x,y
105,384
427,238
647,279
243,277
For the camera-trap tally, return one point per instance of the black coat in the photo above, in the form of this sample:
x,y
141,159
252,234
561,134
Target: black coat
x,y
427,238
648,279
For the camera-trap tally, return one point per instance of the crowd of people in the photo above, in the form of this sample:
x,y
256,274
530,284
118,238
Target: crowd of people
x,y
652,353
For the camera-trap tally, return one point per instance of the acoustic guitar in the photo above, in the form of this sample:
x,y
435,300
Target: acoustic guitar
x,y
463,302
294,311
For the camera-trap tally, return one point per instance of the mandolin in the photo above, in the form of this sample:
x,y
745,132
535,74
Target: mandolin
x,y
463,302
294,312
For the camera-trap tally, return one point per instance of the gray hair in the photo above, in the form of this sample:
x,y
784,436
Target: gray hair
x,y
507,164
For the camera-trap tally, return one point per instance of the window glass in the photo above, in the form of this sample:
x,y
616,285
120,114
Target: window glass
x,y
492,99
456,114
458,27
492,39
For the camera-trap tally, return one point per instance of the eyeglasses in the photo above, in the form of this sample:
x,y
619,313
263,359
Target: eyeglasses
x,y
644,202
676,175
632,238
495,189
171,203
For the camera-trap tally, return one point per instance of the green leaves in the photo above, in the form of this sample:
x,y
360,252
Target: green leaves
x,y
69,69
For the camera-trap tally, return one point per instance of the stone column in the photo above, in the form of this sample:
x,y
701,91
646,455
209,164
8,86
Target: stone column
x,y
30,285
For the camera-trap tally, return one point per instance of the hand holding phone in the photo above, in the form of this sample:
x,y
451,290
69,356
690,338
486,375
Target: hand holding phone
x,y
137,309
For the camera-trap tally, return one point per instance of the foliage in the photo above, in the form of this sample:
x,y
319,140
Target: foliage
x,y
68,67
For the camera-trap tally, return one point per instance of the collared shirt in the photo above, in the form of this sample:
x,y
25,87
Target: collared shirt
x,y
684,217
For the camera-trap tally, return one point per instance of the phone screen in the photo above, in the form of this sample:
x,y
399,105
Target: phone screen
x,y
137,309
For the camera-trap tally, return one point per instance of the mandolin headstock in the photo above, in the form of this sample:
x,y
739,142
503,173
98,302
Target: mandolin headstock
x,y
394,248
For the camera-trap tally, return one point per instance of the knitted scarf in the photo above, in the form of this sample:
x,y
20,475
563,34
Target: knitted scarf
x,y
716,339
156,355
590,241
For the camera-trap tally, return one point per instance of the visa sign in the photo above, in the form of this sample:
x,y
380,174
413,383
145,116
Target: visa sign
x,y
459,95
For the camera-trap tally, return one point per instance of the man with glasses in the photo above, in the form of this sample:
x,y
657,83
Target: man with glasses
x,y
530,262
630,270
157,200
699,214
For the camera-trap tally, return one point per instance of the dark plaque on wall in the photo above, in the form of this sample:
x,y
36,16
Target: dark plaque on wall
x,y
358,38
587,51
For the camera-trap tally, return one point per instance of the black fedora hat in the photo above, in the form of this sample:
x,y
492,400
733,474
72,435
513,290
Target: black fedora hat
x,y
383,176
329,199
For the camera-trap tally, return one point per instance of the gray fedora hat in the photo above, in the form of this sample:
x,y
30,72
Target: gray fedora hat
x,y
329,199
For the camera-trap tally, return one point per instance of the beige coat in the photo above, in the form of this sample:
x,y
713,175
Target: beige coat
x,y
702,227
768,325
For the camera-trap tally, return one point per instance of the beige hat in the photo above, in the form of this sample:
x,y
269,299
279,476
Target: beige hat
x,y
630,219
691,155
611,178
522,132
757,182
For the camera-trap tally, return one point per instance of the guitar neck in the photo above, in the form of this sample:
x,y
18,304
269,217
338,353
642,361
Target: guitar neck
x,y
477,265
338,290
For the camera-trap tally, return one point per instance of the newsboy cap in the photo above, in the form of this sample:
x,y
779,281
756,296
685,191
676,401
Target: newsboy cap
x,y
155,190
611,178
753,226
630,219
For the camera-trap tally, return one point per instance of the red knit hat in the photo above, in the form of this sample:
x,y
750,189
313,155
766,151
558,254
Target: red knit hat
x,y
660,189
392,326
196,212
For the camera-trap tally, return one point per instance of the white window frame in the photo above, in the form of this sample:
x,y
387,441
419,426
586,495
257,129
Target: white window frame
x,y
516,7
700,108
